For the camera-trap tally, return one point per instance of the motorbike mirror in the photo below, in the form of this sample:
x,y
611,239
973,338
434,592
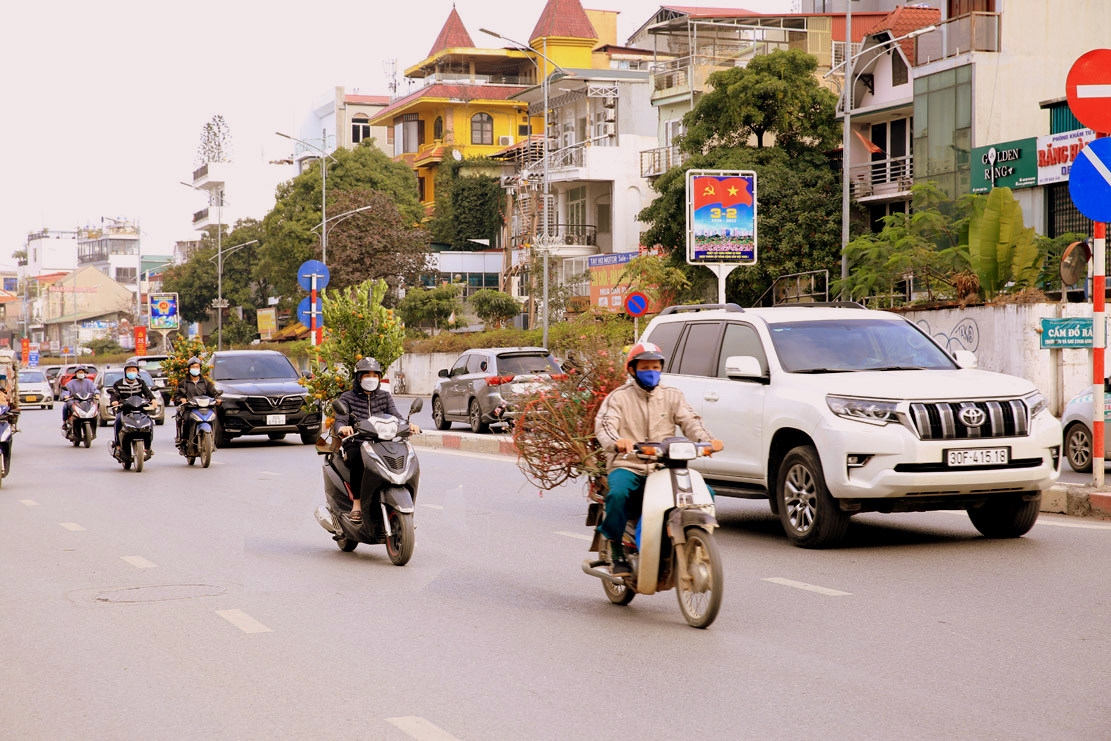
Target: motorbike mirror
x,y
416,406
339,406
306,374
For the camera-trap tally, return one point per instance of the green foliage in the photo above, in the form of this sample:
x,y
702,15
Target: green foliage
x,y
176,365
196,281
495,307
240,331
469,204
215,144
569,339
377,243
1001,249
449,342
1054,249
430,308
655,277
105,346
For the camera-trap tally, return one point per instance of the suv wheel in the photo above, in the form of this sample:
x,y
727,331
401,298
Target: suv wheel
x,y
1006,517
222,439
442,422
474,416
308,437
810,516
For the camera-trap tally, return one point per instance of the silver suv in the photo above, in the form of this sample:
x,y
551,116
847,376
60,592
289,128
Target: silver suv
x,y
830,410
483,384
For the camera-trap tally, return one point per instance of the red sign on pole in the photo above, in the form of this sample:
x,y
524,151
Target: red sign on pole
x,y
1088,89
25,349
140,340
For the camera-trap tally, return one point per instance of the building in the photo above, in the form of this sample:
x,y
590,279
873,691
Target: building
x,y
50,250
77,307
341,120
113,250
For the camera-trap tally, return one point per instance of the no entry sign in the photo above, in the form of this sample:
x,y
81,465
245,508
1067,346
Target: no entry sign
x,y
1088,89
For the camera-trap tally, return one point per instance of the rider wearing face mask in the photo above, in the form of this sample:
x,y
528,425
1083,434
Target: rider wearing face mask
x,y
130,385
366,398
196,383
640,411
79,384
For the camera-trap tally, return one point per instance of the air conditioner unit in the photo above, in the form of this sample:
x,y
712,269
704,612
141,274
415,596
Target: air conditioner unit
x,y
609,102
610,129
505,141
611,115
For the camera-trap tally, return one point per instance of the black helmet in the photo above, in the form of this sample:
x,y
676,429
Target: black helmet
x,y
368,365
194,361
131,363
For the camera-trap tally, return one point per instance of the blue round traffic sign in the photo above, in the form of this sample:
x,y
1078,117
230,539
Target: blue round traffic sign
x,y
304,308
636,304
308,269
1090,180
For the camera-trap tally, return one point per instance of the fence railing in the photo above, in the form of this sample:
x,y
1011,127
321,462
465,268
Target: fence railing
x,y
866,179
655,162
972,32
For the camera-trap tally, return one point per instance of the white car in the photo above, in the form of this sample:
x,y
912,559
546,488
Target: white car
x,y
1077,421
35,390
829,411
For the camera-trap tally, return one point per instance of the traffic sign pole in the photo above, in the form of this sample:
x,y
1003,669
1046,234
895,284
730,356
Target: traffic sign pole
x,y
1099,343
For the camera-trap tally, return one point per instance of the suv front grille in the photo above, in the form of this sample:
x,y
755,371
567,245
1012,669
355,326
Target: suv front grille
x,y
264,405
942,420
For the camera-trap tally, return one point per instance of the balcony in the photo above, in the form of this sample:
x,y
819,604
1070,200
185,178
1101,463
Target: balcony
x,y
883,180
655,162
571,235
685,75
972,32
200,216
210,176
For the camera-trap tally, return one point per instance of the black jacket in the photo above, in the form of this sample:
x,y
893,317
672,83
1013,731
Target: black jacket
x,y
124,388
363,406
191,387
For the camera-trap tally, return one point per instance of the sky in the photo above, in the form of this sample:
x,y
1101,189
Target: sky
x,y
102,104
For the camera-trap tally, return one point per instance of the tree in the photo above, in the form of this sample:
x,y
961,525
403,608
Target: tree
x,y
288,228
469,205
495,307
651,274
215,143
430,308
196,280
377,243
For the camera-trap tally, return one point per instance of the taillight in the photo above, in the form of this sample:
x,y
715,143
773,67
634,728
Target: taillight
x,y
498,380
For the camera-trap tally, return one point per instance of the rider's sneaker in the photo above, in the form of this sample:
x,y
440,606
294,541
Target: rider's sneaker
x,y
619,566
149,453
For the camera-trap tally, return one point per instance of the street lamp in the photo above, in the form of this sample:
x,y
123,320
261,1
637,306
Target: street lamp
x,y
340,217
219,257
323,186
846,109
557,74
219,196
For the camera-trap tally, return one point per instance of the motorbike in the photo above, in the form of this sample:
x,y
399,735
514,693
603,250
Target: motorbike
x,y
391,475
670,544
7,430
83,420
200,412
136,434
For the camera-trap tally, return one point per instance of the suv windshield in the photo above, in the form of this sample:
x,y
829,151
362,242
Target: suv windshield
x,y
855,345
253,367
526,364
151,364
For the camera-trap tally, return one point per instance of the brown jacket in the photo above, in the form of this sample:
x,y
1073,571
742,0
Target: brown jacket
x,y
644,416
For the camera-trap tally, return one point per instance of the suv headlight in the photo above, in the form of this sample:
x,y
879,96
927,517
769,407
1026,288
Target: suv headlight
x,y
872,411
1036,403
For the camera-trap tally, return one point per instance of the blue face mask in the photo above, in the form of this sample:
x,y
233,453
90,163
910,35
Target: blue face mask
x,y
648,379
132,375
194,371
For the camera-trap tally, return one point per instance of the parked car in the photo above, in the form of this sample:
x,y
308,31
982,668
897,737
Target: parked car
x,y
66,375
152,364
262,396
482,385
34,389
830,411
1077,421
108,377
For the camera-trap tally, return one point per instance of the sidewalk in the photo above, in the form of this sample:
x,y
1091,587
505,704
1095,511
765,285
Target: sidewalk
x,y
1068,499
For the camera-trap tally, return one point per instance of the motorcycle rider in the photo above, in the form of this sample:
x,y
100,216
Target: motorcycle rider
x,y
639,411
195,384
366,398
79,384
130,385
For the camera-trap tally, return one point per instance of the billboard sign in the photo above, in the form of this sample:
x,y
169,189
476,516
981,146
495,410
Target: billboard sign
x,y
1057,152
721,217
1011,164
267,322
163,311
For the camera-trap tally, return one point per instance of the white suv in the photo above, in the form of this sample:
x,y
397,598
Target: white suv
x,y
832,409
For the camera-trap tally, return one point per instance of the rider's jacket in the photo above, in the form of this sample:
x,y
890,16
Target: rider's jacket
x,y
79,386
124,388
632,413
363,405
192,387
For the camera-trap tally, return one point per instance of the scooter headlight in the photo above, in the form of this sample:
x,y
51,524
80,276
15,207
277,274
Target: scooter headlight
x,y
684,451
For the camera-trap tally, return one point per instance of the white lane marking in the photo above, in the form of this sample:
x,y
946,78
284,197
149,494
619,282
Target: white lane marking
x,y
421,729
1093,91
243,621
577,536
139,562
808,587
1097,163
433,506
483,456
270,473
71,526
1044,521
29,502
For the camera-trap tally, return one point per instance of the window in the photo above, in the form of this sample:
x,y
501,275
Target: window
x,y
666,335
360,129
438,128
477,364
603,215
125,275
408,133
421,189
576,205
898,69
482,129
942,127
741,339
460,366
700,349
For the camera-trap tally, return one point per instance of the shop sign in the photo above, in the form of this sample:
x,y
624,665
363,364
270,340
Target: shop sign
x,y
1057,152
1011,164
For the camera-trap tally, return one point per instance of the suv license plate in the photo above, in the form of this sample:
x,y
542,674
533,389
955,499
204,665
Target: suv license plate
x,y
977,457
275,419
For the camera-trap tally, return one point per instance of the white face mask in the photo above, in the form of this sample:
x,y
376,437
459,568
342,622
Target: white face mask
x,y
369,383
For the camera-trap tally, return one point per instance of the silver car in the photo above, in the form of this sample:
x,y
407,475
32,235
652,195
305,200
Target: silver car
x,y
480,388
1077,421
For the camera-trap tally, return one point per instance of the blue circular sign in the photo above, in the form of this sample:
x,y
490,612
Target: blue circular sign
x,y
636,304
1090,180
305,307
308,269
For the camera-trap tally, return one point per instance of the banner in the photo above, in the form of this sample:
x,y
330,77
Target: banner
x,y
267,322
163,311
140,340
721,217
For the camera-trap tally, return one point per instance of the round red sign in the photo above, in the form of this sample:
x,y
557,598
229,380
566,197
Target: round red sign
x,y
1088,89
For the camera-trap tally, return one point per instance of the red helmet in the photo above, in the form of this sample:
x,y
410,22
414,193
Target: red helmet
x,y
643,351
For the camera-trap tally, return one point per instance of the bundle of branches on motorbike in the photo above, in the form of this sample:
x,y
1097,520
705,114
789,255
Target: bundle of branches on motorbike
x,y
176,364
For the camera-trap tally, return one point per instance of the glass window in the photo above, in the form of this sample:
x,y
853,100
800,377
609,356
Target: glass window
x,y
482,129
666,336
438,128
700,349
741,339
477,364
243,367
460,366
604,218
527,363
408,133
360,129
835,346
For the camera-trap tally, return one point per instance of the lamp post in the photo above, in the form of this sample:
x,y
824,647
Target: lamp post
x,y
556,74
846,109
323,187
219,196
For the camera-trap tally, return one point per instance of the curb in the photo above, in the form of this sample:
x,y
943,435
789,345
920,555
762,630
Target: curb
x,y
469,442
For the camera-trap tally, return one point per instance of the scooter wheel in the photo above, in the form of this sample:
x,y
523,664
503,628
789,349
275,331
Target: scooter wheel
x,y
346,545
402,539
700,595
618,595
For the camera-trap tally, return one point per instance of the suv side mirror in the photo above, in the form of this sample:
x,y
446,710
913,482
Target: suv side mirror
x,y
443,373
743,367
965,358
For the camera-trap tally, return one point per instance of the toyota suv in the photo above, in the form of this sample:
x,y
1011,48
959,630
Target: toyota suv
x,y
831,410
261,396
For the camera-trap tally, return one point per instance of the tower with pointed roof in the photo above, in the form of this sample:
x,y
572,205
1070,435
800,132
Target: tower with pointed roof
x,y
565,35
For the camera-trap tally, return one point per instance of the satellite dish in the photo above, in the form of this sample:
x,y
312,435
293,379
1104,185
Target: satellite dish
x,y
457,155
1074,262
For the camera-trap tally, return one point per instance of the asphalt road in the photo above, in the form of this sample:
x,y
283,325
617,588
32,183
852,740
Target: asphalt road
x,y
191,603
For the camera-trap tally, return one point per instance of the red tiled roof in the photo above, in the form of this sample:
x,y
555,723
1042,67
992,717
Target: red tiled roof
x,y
368,99
564,18
462,92
452,36
903,20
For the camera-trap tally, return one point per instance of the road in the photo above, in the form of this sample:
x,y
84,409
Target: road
x,y
190,603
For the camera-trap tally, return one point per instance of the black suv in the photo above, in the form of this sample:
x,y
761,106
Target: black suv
x,y
152,364
261,397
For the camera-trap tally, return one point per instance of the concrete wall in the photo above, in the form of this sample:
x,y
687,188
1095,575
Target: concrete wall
x,y
421,370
